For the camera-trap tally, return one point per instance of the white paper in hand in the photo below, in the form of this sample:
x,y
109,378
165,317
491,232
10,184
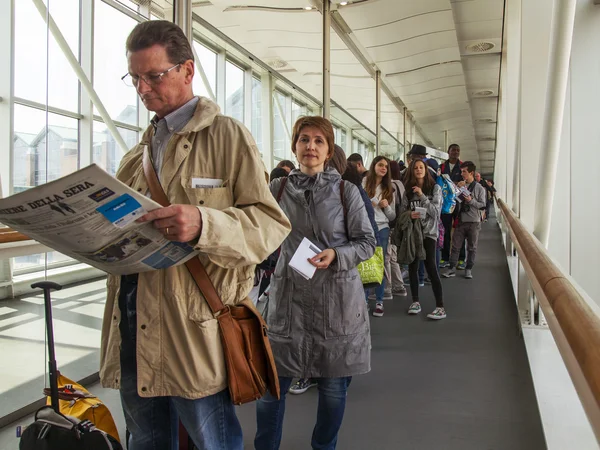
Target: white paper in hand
x,y
299,261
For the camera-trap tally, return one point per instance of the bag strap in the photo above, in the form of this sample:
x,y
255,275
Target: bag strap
x,y
344,208
195,267
281,189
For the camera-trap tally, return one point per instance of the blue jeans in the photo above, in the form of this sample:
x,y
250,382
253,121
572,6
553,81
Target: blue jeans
x,y
154,421
330,413
384,239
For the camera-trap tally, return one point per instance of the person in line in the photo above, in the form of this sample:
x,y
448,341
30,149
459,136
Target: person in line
x,y
434,171
357,161
287,165
451,167
151,316
337,162
318,327
395,282
422,191
264,270
469,222
379,187
417,152
491,191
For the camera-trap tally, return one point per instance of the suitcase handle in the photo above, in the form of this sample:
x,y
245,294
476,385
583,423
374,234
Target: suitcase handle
x,y
47,286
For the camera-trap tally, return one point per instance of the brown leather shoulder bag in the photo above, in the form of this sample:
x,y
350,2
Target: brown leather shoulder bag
x,y
248,355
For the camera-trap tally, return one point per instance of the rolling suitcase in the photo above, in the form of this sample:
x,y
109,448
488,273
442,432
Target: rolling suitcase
x,y
53,430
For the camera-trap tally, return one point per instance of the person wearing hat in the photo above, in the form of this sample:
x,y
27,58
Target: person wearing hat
x,y
416,152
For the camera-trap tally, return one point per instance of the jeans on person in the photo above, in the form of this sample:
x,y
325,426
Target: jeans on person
x,y
447,220
384,238
153,422
330,413
468,231
432,270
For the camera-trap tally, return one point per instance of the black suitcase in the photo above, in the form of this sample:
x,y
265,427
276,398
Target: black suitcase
x,y
51,429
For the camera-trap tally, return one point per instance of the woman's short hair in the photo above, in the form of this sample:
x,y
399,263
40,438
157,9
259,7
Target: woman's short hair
x,y
321,124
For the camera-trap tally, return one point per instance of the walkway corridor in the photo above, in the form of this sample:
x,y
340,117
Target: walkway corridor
x,y
461,383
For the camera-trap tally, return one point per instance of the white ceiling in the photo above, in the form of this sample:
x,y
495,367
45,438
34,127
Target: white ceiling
x,y
420,47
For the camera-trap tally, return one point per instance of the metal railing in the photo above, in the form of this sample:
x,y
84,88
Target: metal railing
x,y
575,326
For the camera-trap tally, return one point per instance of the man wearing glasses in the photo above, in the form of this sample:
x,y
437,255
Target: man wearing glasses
x,y
160,342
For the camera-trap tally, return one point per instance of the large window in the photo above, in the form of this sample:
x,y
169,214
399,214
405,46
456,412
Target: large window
x,y
106,152
36,55
257,113
281,126
234,91
111,29
208,60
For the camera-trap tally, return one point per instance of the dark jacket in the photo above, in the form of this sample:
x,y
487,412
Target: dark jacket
x,y
455,175
408,237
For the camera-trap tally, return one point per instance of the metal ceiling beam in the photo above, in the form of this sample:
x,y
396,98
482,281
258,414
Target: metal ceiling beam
x,y
326,11
344,32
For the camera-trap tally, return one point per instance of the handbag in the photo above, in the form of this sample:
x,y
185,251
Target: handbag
x,y
370,271
248,356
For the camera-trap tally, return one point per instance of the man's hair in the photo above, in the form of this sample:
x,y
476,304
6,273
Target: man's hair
x,y
278,172
286,163
321,124
469,165
453,145
355,158
351,175
164,33
338,160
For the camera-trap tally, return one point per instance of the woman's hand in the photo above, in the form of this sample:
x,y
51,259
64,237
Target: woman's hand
x,y
383,204
417,191
324,259
415,215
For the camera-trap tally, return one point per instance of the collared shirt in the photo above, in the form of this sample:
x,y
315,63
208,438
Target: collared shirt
x,y
166,127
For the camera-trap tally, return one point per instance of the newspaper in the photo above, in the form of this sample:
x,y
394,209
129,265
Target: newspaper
x,y
91,216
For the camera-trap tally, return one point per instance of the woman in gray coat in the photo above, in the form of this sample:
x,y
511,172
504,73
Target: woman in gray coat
x,y
318,328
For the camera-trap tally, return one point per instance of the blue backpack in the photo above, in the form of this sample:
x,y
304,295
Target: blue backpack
x,y
448,193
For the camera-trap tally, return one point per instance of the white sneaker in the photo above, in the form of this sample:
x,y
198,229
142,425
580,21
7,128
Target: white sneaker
x,y
437,314
388,296
468,274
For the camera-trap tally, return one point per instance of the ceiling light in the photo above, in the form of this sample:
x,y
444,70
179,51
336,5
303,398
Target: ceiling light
x,y
484,93
308,8
480,47
343,3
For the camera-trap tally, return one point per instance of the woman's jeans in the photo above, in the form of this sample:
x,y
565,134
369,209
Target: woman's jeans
x,y
154,421
384,239
330,413
432,270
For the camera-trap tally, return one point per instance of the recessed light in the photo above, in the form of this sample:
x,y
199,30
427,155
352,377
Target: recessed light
x,y
308,8
343,3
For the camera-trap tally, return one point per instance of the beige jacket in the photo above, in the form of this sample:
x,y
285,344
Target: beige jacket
x,y
179,350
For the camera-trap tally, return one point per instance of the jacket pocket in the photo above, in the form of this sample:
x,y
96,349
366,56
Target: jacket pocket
x,y
217,198
345,307
279,310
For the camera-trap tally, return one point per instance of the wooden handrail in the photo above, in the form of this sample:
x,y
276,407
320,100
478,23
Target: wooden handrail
x,y
574,325
8,235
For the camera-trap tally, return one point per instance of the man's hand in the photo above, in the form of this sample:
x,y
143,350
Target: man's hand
x,y
178,223
324,259
461,183
468,199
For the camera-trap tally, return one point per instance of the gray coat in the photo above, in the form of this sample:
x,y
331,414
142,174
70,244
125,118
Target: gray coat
x,y
320,327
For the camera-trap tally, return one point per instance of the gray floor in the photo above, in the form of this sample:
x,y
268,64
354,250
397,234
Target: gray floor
x,y
461,383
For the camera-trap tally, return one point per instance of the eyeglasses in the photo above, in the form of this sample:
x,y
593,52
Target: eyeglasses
x,y
151,80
